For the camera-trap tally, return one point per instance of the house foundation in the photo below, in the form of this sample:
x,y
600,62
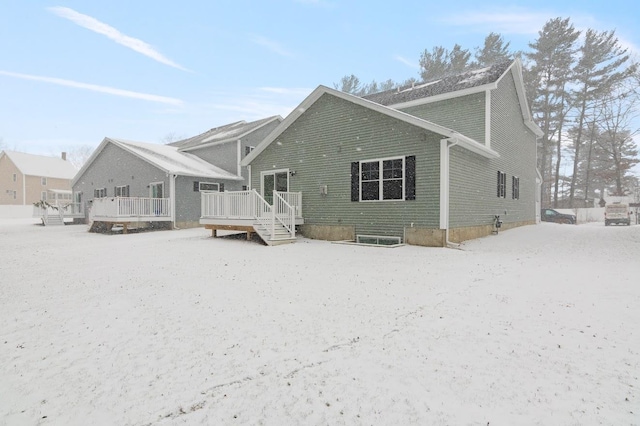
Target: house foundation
x,y
329,232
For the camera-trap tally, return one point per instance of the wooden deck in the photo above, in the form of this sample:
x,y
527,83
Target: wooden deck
x,y
248,211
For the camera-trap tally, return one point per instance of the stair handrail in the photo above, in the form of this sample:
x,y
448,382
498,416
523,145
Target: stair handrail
x,y
263,211
284,213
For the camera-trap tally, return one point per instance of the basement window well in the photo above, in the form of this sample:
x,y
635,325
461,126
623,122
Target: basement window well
x,y
375,240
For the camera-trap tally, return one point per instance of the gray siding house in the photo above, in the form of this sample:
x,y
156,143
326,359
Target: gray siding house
x,y
142,184
432,164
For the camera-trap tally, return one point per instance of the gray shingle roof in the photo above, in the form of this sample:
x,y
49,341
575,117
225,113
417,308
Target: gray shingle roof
x,y
222,133
448,84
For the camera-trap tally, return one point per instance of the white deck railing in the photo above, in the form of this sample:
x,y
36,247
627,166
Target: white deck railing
x,y
65,209
249,205
244,204
126,207
284,213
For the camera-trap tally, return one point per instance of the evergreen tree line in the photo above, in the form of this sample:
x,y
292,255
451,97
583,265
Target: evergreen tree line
x,y
583,89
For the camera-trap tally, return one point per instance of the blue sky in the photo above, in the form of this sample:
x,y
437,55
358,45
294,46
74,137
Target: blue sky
x,y
73,72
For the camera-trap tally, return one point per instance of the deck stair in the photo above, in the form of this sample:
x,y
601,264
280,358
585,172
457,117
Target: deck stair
x,y
275,235
274,221
53,219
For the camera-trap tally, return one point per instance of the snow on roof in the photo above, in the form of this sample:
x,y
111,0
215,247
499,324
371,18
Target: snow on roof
x,y
168,158
447,84
222,133
41,165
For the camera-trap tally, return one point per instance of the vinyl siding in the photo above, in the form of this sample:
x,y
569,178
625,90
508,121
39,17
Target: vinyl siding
x,y
34,187
188,208
29,186
321,145
116,167
465,114
225,155
474,179
7,169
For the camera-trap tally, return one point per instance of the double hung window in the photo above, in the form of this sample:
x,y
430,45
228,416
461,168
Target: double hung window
x,y
383,179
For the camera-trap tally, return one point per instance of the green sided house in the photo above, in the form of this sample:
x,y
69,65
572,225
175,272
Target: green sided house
x,y
430,164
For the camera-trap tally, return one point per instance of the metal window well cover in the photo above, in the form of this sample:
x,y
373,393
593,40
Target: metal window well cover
x,y
373,241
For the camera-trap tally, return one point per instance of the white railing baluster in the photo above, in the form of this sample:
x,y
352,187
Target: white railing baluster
x,y
126,207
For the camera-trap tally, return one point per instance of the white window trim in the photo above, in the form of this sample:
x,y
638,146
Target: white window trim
x,y
380,180
209,190
152,184
43,181
121,188
43,195
272,172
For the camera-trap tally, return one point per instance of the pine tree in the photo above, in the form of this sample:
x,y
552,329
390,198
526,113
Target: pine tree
x,y
434,64
547,77
349,84
602,66
495,50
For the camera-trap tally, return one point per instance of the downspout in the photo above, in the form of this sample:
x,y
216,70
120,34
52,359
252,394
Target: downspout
x,y
239,157
445,146
172,196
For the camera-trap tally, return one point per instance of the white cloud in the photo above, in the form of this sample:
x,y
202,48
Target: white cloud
x,y
96,88
406,62
96,26
270,44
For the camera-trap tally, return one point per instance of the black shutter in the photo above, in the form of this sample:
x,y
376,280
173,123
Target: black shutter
x,y
221,187
196,186
513,187
498,192
355,181
115,191
410,177
127,194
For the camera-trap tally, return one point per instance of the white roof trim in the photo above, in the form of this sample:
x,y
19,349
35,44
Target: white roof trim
x,y
464,141
222,174
444,96
516,70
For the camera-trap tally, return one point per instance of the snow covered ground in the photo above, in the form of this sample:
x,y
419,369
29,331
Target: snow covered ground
x,y
537,325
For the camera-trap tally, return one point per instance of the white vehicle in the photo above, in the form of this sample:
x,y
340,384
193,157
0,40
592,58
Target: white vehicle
x,y
617,213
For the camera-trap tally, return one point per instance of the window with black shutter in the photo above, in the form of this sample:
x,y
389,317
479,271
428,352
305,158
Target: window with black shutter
x,y
384,179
